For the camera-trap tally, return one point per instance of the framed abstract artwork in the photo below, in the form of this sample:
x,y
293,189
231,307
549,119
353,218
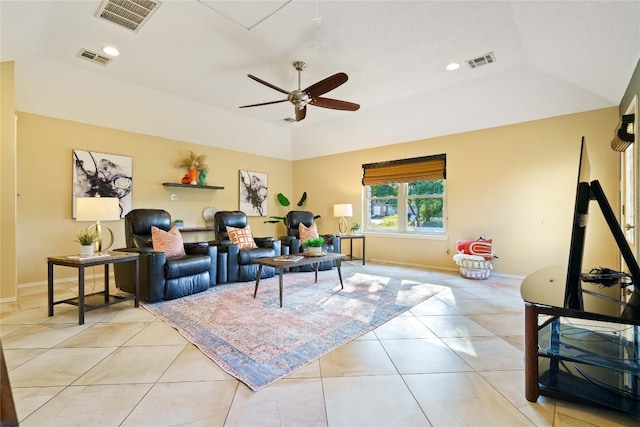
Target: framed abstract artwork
x,y
109,175
253,193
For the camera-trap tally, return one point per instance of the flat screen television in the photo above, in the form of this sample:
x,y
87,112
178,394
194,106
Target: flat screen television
x,y
586,192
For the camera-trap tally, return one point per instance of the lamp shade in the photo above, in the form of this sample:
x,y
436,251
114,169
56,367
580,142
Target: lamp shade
x,y
342,209
97,209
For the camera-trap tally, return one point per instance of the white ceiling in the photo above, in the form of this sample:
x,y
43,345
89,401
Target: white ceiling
x,y
184,74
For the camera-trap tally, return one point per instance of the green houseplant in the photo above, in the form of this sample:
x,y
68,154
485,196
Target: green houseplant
x,y
355,228
314,245
284,201
86,238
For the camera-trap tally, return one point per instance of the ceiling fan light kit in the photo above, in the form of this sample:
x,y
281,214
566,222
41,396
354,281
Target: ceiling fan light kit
x,y
300,98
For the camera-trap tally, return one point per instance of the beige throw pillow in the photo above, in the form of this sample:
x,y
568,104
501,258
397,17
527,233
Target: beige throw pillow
x,y
242,237
170,242
307,232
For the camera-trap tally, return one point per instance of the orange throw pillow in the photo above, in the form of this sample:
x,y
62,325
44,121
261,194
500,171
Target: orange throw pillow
x,y
170,242
242,237
307,232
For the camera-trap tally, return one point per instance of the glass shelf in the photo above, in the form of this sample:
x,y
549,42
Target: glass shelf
x,y
592,342
582,357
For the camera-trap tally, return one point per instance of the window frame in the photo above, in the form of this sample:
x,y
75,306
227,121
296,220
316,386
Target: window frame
x,y
402,200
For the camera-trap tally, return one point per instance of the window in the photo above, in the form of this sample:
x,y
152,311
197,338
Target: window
x,y
405,196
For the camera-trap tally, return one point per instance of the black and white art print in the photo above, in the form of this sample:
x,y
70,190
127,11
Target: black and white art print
x,y
108,175
253,193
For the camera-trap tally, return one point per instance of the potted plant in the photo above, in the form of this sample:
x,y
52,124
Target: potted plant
x,y
284,201
86,238
314,245
355,228
178,223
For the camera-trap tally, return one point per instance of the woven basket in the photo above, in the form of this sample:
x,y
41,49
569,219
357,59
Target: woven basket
x,y
473,267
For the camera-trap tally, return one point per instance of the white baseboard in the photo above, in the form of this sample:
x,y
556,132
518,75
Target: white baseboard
x,y
440,268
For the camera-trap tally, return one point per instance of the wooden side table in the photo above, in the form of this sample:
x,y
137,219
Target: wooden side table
x,y
351,238
81,264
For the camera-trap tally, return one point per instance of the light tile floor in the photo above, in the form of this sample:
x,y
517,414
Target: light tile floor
x,y
454,360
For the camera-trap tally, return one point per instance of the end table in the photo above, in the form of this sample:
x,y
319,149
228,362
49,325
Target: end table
x,y
351,238
81,263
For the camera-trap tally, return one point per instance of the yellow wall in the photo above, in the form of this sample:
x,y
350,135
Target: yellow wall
x,y
514,183
45,145
7,183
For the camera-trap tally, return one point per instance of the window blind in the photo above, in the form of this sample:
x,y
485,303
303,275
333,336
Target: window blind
x,y
427,168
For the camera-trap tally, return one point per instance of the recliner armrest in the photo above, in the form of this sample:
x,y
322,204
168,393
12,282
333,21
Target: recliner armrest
x,y
196,248
262,241
269,242
144,250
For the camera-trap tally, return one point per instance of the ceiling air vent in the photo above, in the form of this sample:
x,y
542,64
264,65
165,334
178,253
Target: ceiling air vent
x,y
130,14
481,60
93,57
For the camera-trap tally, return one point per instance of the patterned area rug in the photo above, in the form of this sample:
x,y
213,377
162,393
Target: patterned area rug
x,y
258,342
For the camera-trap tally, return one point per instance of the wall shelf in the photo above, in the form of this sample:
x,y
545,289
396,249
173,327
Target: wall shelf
x,y
208,187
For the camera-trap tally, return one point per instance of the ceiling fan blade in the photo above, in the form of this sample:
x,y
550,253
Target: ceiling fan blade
x,y
301,114
263,103
334,104
259,80
324,86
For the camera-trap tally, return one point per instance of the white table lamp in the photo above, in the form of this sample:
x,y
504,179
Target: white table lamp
x,y
342,210
98,209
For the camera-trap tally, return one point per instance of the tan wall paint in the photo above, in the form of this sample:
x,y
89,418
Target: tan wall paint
x,y
8,262
516,184
44,224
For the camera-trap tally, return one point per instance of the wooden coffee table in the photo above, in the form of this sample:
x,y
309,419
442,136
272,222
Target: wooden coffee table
x,y
306,260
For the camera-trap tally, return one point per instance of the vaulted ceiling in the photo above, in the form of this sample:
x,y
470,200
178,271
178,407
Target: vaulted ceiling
x,y
183,73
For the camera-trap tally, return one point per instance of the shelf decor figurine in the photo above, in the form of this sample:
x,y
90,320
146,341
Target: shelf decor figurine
x,y
195,163
202,177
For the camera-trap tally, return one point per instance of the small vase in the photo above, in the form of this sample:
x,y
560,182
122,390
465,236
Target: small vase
x,y
193,176
202,177
186,179
86,250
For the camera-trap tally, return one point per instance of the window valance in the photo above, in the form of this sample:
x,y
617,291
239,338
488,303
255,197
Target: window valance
x,y
426,168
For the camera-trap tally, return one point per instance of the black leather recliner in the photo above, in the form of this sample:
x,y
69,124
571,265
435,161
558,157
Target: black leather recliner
x,y
238,265
163,277
292,240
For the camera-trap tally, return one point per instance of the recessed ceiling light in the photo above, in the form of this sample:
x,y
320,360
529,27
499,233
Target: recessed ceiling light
x,y
110,50
452,66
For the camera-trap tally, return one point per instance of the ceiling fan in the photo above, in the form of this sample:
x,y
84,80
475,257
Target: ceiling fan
x,y
300,98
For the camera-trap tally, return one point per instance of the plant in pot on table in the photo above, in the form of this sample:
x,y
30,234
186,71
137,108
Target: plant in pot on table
x,y
86,238
355,228
314,245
